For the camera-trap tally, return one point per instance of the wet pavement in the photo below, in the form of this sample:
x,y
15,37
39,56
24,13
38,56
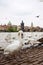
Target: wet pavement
x,y
29,56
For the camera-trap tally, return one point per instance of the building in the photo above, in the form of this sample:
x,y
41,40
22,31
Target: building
x,y
18,28
3,28
22,25
31,28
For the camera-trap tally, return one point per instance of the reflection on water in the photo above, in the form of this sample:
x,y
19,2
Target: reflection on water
x,y
8,38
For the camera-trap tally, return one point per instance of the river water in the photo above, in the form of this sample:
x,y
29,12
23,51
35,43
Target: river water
x,y
7,38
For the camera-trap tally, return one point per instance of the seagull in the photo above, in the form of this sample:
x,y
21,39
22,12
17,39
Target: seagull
x,y
37,16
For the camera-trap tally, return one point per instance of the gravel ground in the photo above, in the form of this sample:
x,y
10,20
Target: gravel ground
x,y
32,56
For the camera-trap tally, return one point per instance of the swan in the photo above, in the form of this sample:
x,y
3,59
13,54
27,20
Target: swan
x,y
16,45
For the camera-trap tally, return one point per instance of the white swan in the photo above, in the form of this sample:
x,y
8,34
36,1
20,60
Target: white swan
x,y
16,45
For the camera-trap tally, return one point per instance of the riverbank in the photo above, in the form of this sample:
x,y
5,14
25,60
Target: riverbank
x,y
29,56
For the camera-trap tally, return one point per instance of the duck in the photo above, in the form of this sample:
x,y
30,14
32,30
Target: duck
x,y
16,45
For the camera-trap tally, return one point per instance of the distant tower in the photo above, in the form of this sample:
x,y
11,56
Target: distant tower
x,y
31,29
22,25
31,24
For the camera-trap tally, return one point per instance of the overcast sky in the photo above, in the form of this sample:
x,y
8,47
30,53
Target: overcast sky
x,y
18,10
